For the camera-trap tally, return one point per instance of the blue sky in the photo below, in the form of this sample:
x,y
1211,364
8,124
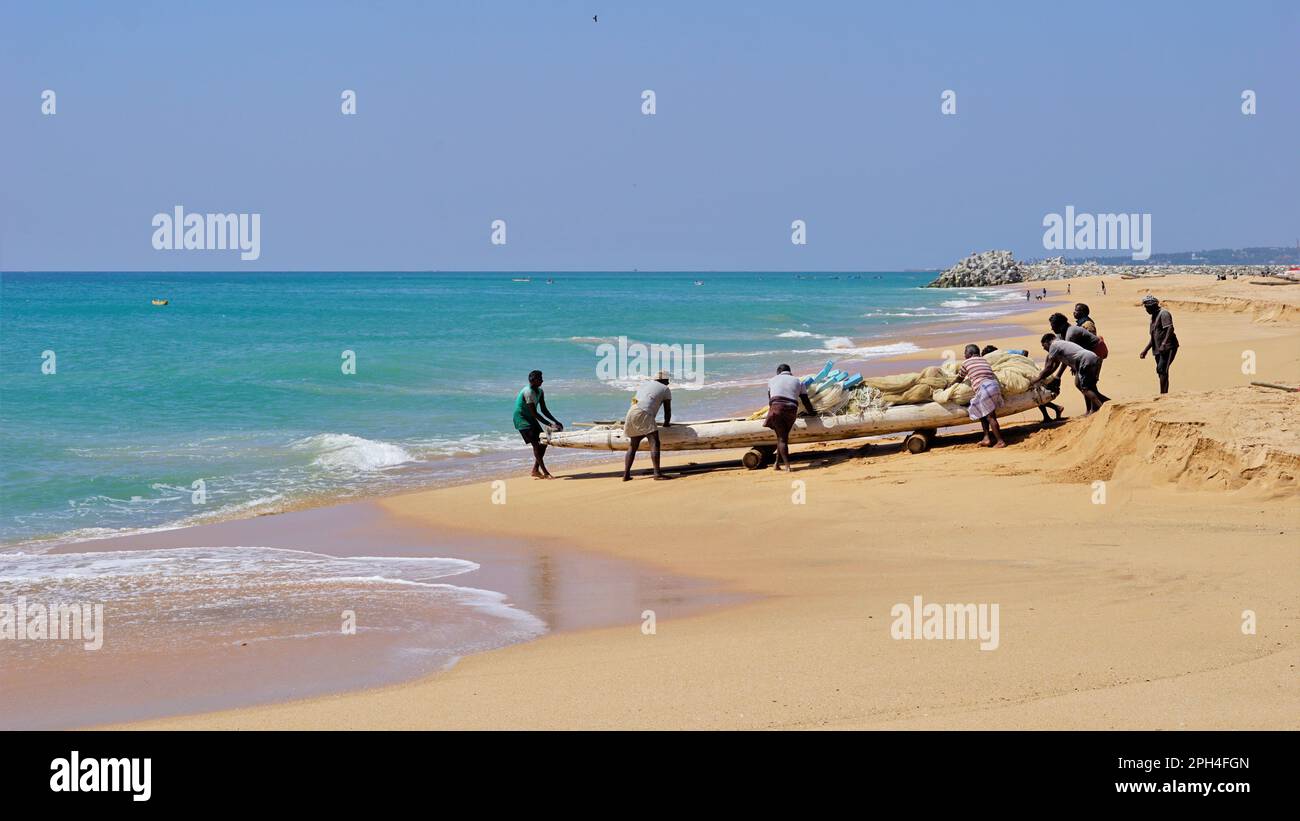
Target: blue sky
x,y
530,112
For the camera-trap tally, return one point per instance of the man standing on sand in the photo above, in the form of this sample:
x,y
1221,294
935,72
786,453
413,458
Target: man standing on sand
x,y
1103,287
530,409
988,395
784,393
640,421
1164,342
1082,362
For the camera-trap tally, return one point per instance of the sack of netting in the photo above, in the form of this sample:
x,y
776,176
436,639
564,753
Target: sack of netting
x,y
910,388
1014,373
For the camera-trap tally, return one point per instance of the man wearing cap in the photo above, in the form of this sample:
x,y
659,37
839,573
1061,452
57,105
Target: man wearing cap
x,y
640,421
784,393
1164,342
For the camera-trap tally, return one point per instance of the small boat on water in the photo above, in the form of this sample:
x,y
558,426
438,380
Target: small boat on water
x,y
923,419
160,302
522,279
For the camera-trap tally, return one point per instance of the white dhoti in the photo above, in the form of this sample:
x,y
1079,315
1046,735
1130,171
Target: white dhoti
x,y
638,423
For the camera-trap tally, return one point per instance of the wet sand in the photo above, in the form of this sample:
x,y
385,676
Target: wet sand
x,y
194,660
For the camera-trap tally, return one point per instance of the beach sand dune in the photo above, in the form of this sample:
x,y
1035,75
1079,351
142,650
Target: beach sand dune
x,y
1167,600
1249,443
1243,297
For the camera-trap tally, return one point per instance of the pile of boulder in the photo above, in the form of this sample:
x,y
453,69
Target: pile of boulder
x,y
986,268
1001,268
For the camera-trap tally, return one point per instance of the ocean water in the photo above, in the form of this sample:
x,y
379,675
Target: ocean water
x,y
238,382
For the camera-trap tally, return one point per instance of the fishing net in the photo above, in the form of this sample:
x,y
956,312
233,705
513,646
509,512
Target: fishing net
x,y
936,383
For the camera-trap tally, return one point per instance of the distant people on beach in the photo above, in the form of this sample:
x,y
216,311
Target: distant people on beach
x,y
1026,296
1163,341
988,349
785,392
976,371
639,423
1083,363
530,411
1103,287
1067,289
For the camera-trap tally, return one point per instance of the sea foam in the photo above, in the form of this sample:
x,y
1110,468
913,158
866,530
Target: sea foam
x,y
343,451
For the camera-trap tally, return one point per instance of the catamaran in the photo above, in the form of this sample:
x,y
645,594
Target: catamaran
x,y
923,420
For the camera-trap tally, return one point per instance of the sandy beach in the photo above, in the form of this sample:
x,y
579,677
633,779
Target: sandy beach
x,y
1126,553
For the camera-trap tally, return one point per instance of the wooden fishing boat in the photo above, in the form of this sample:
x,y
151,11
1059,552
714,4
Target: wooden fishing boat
x,y
922,419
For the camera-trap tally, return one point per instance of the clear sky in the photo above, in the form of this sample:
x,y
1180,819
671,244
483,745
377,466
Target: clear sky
x,y
530,112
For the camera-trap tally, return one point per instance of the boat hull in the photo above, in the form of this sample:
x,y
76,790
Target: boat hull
x,y
745,433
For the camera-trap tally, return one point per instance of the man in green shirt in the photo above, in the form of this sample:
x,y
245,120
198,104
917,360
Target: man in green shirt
x,y
530,414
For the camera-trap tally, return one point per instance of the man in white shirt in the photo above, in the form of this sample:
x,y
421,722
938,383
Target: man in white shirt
x,y
640,421
784,393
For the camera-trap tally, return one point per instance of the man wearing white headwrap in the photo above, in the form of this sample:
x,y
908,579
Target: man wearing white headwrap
x,y
1164,342
640,421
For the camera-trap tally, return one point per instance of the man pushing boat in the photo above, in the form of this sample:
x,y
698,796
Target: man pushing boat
x,y
640,421
1083,363
784,393
530,411
976,371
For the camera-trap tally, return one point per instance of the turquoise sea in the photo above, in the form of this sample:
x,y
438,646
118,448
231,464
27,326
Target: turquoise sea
x,y
112,409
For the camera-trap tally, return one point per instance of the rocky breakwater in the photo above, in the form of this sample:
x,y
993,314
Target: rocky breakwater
x,y
986,268
1001,268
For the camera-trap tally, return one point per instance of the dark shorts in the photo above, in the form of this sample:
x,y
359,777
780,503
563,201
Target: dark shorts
x,y
781,414
1086,378
532,435
1164,360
